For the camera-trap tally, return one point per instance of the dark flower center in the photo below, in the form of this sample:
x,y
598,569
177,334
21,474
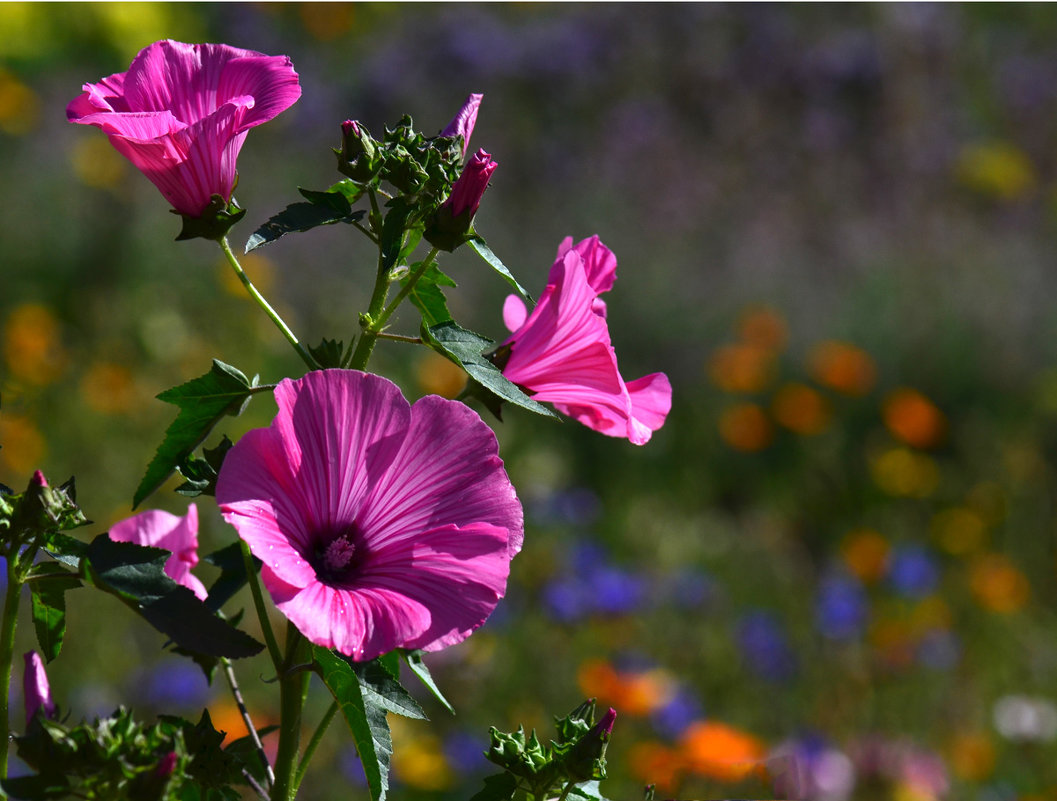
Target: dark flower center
x,y
335,558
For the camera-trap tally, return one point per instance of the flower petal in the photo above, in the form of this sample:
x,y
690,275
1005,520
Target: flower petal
x,y
464,121
159,529
600,264
269,80
514,313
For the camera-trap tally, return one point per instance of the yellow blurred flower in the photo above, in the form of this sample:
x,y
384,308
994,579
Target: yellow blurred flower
x,y
910,792
929,614
998,585
958,531
719,751
108,388
326,21
913,418
439,376
260,270
763,327
801,409
421,763
971,756
22,446
741,367
842,367
865,553
32,347
999,170
745,427
19,106
96,163
899,471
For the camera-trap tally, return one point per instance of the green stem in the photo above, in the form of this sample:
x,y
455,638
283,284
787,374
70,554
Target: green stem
x,y
565,791
7,649
365,346
293,687
273,315
262,611
406,288
313,744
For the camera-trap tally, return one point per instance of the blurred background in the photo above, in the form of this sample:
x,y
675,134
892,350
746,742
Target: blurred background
x,y
829,576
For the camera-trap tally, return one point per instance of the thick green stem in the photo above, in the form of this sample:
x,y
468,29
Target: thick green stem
x,y
313,744
273,315
293,687
7,649
262,610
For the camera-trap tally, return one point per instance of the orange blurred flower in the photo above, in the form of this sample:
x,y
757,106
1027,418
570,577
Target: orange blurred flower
x,y
842,367
633,693
745,427
893,642
21,445
439,376
929,614
655,763
741,367
865,553
998,585
972,756
720,751
764,327
913,418
32,348
108,388
801,409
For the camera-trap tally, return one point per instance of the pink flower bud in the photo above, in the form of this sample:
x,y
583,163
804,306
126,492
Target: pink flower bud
x,y
467,191
35,690
166,765
38,480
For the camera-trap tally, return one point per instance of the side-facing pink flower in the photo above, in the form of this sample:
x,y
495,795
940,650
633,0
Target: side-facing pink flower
x,y
181,112
464,121
561,352
158,529
466,192
36,693
380,525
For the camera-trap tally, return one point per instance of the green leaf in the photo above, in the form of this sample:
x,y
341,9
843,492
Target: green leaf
x,y
480,247
393,226
322,208
467,348
232,576
497,788
201,474
381,687
224,390
49,606
427,296
418,667
136,575
35,788
64,548
245,752
366,720
588,790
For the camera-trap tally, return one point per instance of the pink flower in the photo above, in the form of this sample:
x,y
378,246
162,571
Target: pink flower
x,y
464,121
181,112
466,192
158,529
35,690
561,352
380,525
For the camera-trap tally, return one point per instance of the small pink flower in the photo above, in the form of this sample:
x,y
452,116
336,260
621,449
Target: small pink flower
x,y
158,529
35,690
466,192
181,112
561,352
464,121
381,525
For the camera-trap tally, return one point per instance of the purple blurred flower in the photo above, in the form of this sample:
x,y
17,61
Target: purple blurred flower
x,y
841,608
683,709
913,571
614,591
465,753
765,647
176,683
566,600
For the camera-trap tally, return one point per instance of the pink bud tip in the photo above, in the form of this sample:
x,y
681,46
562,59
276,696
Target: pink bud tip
x,y
38,480
350,127
166,765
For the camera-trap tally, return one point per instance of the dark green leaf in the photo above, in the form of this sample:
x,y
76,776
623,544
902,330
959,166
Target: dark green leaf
x,y
427,296
366,721
329,353
201,474
467,348
480,247
393,226
232,574
588,790
418,667
35,788
224,390
64,548
497,788
136,575
381,687
49,605
323,208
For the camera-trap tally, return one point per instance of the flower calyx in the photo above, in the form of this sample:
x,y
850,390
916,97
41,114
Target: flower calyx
x,y
214,222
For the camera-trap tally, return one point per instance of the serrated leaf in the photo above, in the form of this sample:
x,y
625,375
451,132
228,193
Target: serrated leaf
x,y
366,721
136,575
323,208
497,788
467,348
381,687
49,606
418,667
427,296
64,548
481,248
224,390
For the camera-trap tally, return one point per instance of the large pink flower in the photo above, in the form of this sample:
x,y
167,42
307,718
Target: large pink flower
x,y
158,529
381,525
181,112
561,352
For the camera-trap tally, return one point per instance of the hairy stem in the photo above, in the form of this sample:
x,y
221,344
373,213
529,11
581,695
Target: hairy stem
x,y
229,674
406,288
313,744
293,687
7,648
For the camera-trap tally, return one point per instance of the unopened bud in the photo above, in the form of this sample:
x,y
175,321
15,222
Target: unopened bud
x,y
35,690
357,157
453,221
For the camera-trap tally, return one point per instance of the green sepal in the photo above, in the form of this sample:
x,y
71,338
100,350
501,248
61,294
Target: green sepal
x,y
40,512
322,208
466,349
331,353
136,575
224,390
213,223
48,588
481,248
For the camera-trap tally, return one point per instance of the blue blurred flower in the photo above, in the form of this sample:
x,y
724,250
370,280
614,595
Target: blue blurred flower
x,y
614,591
841,608
175,683
683,709
763,642
566,600
465,753
685,589
351,767
913,571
